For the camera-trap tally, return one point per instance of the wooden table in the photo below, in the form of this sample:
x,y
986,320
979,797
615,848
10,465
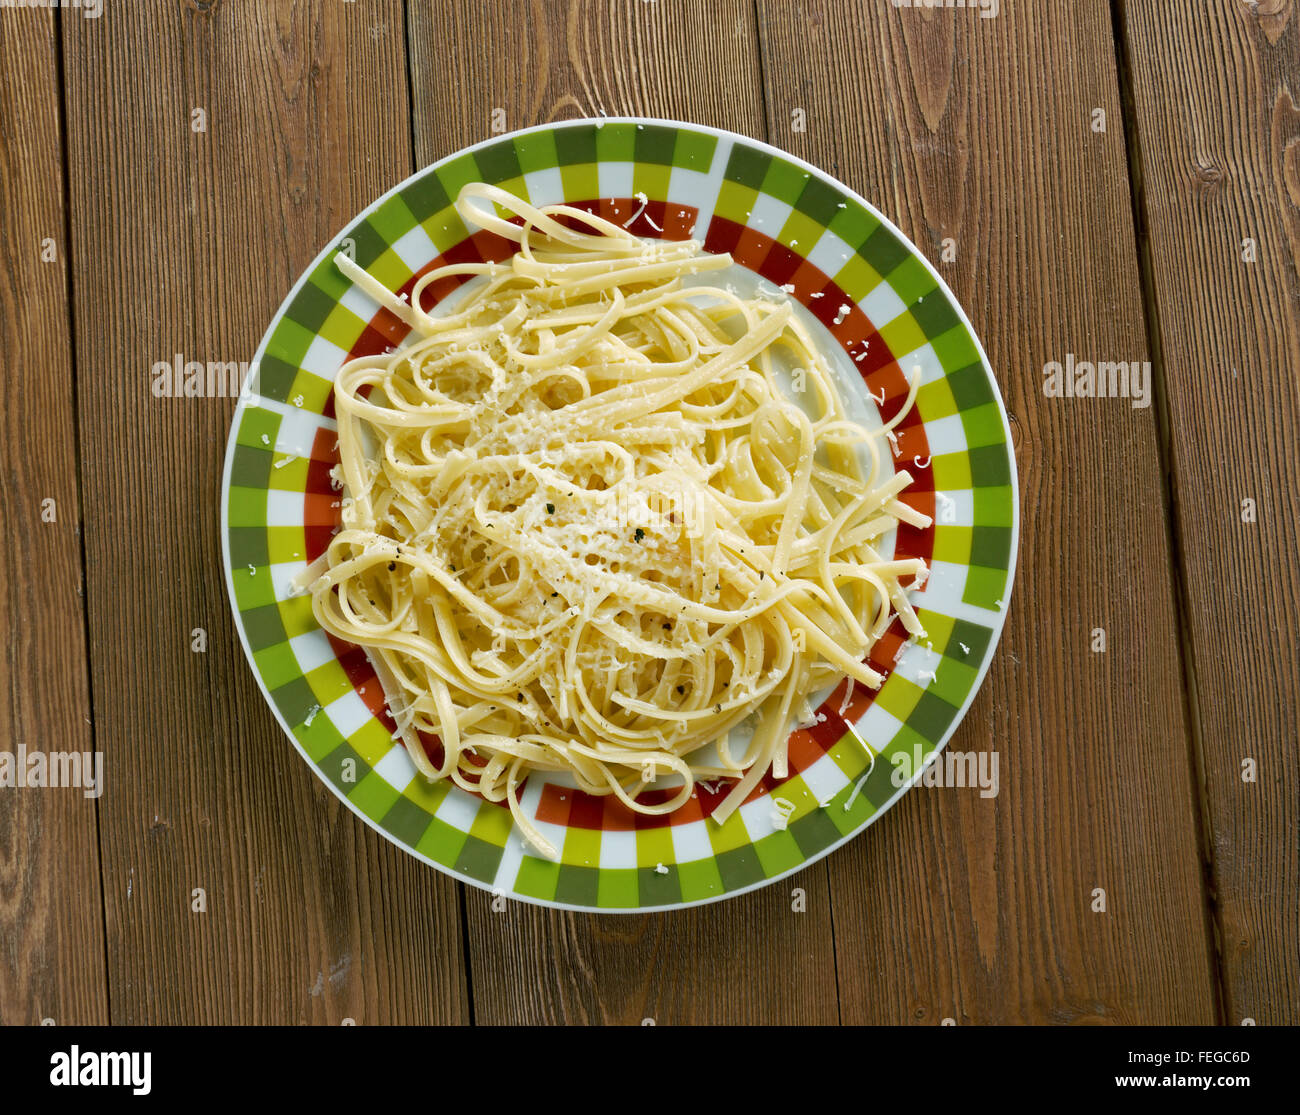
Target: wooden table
x,y
1114,181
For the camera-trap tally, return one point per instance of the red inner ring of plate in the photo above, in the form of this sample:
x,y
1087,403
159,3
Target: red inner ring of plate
x,y
853,331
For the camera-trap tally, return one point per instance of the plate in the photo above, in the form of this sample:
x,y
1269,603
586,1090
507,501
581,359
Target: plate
x,y
883,311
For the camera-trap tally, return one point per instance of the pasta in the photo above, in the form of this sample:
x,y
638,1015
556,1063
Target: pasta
x,y
591,524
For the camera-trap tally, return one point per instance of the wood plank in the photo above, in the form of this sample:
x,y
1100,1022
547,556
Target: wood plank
x,y
955,906
740,961
185,242
540,61
52,965
1218,141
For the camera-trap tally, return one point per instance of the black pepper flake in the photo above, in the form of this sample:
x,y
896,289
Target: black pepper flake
x,y
681,689
717,708
550,509
668,626
391,566
638,535
555,594
519,696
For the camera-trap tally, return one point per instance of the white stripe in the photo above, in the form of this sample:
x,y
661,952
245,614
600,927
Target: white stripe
x,y
708,195
396,768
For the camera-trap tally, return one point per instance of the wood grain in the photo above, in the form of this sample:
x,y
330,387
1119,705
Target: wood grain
x,y
1219,150
51,922
955,906
185,242
751,959
541,60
